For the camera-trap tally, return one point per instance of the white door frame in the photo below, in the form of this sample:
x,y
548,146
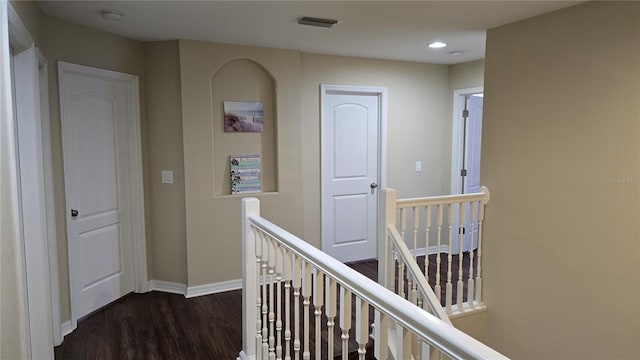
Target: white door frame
x,y
138,237
458,135
325,162
47,160
30,175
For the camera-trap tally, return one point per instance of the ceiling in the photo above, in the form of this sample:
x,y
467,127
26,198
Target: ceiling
x,y
397,30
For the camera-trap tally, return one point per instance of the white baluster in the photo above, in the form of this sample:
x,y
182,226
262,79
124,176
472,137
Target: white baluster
x,y
471,283
427,234
279,266
461,235
265,305
306,302
383,337
362,326
412,283
403,343
403,228
297,281
449,293
403,222
416,223
258,251
345,320
401,277
287,305
479,272
318,302
438,289
272,314
331,313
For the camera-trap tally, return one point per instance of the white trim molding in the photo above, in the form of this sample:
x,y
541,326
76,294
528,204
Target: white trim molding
x,y
33,245
66,328
168,287
213,288
433,249
194,291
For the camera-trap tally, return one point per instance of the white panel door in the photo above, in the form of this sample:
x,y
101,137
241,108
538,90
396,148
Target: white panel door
x,y
473,147
95,132
473,144
350,175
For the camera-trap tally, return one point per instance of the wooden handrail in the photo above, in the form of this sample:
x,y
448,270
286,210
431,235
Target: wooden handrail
x,y
483,196
421,282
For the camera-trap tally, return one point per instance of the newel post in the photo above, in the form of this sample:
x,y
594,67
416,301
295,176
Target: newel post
x,y
386,216
250,207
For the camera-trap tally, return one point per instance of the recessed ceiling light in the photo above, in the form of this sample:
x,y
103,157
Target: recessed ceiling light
x,y
111,15
456,53
437,45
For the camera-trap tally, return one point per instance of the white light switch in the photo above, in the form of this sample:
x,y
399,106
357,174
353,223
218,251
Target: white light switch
x,y
418,166
167,177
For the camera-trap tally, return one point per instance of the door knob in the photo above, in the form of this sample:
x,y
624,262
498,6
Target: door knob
x,y
74,212
374,185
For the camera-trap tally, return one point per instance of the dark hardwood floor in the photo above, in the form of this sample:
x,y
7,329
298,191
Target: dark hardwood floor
x,y
158,325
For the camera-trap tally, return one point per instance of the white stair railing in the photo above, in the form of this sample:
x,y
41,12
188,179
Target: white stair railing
x,y
449,226
274,259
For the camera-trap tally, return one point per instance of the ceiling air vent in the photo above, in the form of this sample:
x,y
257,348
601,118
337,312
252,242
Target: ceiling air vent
x,y
311,21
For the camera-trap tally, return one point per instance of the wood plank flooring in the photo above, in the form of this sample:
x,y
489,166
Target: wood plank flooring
x,y
158,325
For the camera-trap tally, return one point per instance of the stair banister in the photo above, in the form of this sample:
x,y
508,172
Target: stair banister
x,y
436,332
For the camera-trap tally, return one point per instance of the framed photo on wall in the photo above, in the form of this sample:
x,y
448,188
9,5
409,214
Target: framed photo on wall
x,y
243,116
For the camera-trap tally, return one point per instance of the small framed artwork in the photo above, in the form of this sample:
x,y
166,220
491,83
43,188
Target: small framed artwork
x,y
243,116
245,174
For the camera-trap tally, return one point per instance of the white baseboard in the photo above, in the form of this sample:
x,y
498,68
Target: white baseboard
x,y
213,288
168,287
432,250
66,328
193,291
244,356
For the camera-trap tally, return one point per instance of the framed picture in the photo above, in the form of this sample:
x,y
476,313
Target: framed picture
x,y
243,116
245,174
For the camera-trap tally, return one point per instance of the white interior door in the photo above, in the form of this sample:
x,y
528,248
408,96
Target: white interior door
x,y
95,116
350,158
473,144
469,163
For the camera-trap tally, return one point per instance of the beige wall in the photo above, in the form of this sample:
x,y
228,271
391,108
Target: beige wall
x,y
474,325
65,41
562,243
213,222
419,126
166,208
466,75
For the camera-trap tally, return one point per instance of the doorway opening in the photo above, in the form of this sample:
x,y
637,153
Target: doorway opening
x,y
466,141
353,160
465,155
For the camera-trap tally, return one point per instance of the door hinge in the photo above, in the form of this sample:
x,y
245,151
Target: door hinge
x,y
463,172
462,230
465,113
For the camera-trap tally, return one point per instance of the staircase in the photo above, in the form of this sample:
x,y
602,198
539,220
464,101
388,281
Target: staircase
x,y
300,303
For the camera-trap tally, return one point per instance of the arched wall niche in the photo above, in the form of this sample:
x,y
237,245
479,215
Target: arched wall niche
x,y
244,80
